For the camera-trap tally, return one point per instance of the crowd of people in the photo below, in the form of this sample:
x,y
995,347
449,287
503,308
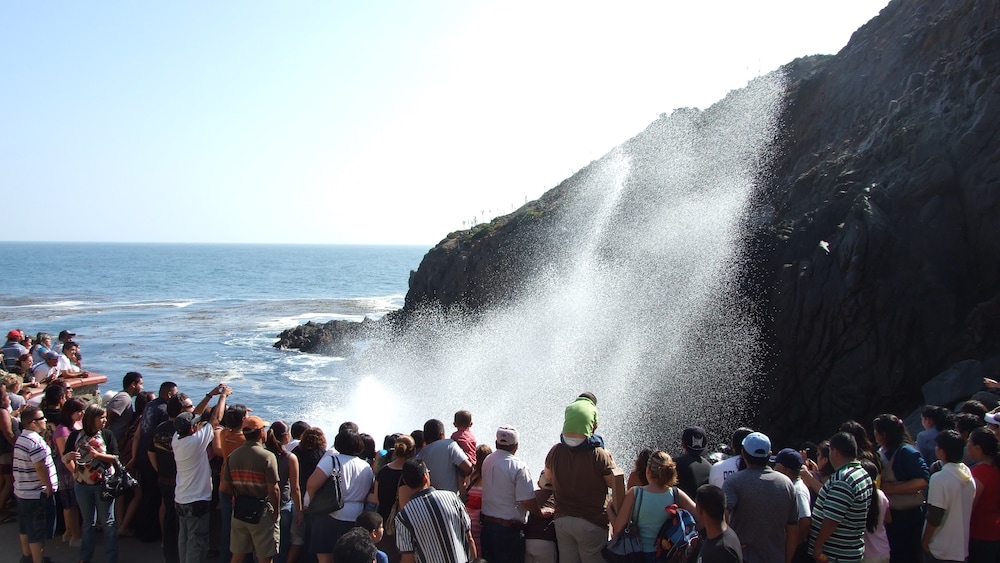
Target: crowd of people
x,y
438,497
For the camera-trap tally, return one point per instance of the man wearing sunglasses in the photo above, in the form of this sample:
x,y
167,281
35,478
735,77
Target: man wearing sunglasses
x,y
35,485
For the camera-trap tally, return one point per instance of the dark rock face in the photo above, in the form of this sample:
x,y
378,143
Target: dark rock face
x,y
873,240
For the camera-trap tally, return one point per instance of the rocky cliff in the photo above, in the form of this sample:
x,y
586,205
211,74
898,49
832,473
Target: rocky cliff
x,y
874,241
871,250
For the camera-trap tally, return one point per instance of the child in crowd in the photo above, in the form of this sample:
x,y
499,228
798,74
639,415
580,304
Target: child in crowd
x,y
372,523
463,435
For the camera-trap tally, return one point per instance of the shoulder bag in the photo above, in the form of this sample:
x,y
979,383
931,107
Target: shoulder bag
x,y
330,497
626,546
117,481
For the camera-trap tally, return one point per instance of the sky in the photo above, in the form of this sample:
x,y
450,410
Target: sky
x,y
388,122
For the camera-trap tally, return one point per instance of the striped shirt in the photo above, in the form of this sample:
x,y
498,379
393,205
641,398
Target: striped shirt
x,y
844,498
251,470
29,449
434,527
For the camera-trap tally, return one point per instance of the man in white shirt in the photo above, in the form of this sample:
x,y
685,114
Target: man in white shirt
x,y
729,466
949,502
508,496
193,491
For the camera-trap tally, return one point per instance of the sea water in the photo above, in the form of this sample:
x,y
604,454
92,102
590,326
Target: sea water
x,y
200,314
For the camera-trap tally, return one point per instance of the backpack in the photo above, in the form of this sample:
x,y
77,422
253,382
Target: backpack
x,y
678,537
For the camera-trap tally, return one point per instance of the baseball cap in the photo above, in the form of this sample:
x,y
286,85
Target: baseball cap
x,y
789,458
757,445
253,423
15,335
694,438
66,334
507,436
183,423
50,355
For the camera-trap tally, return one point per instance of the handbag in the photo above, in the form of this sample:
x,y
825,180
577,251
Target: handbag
x,y
329,498
117,481
626,546
249,509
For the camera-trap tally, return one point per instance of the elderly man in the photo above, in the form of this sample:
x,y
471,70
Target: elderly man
x,y
841,509
508,496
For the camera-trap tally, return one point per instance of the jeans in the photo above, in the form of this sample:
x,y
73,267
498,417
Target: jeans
x,y
285,533
169,524
193,530
502,544
225,526
92,506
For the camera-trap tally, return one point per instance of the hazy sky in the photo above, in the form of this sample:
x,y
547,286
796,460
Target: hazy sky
x,y
361,122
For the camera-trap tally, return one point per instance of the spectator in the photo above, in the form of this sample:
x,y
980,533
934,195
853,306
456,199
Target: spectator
x,y
35,485
934,420
442,456
474,496
8,438
251,474
356,482
788,462
463,435
760,505
433,527
984,533
692,468
841,509
949,502
288,483
372,523
13,348
298,428
89,451
728,467
581,478
43,341
193,490
637,477
355,546
904,478
580,422
539,533
387,481
70,419
876,540
120,408
64,337
719,543
646,505
310,450
508,497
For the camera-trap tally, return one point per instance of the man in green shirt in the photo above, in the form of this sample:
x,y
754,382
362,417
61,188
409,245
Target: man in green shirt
x,y
841,509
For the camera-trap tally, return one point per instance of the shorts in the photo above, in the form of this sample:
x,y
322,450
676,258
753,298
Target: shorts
x,y
7,463
260,538
67,497
36,518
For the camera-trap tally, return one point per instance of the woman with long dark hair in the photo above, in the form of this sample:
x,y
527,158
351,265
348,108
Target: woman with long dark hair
x,y
70,419
356,480
89,452
904,480
311,449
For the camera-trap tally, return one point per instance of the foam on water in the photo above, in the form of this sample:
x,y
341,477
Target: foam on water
x,y
637,305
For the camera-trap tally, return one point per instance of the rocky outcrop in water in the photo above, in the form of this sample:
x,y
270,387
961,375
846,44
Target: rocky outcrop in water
x,y
873,256
333,338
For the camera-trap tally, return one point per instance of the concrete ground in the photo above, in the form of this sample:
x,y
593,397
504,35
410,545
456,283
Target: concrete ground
x,y
129,549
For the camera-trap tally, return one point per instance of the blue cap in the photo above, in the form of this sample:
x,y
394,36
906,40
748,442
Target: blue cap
x,y
757,445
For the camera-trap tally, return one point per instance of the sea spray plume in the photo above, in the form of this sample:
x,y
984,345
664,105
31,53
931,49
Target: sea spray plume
x,y
633,297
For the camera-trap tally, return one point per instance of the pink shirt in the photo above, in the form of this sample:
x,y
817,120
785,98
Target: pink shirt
x,y
465,440
877,543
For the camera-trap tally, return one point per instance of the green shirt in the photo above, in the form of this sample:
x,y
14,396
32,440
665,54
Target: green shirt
x,y
581,417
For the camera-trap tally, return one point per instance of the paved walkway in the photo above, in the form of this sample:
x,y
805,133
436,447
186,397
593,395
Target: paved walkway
x,y
129,549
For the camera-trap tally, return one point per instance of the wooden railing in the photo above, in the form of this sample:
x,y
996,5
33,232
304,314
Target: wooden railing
x,y
81,385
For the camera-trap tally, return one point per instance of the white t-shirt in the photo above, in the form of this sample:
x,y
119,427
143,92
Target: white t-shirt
x,y
952,489
65,365
802,499
356,481
723,470
506,481
291,445
194,474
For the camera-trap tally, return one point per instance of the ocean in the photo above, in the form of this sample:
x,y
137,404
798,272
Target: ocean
x,y
200,314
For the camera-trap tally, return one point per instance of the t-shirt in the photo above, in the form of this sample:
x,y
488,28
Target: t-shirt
x,y
356,479
692,472
762,503
121,405
194,473
580,417
153,415
467,441
29,449
251,470
442,457
877,542
163,450
844,498
803,499
986,512
578,481
388,489
724,548
11,351
723,470
952,489
506,482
